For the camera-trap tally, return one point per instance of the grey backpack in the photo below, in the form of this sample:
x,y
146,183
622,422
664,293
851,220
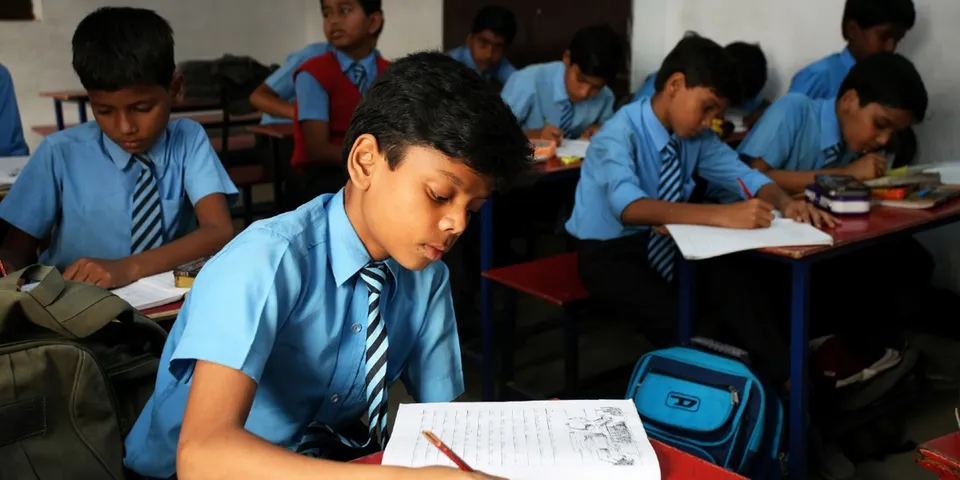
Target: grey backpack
x,y
77,364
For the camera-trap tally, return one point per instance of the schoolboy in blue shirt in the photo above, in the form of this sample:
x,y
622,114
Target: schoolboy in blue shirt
x,y
12,143
132,194
241,381
491,32
569,98
276,95
869,27
638,174
753,66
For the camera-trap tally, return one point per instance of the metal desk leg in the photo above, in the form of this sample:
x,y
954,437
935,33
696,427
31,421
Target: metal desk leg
x,y
82,111
278,205
686,296
799,338
58,112
486,300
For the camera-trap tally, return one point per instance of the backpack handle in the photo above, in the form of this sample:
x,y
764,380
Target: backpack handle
x,y
49,286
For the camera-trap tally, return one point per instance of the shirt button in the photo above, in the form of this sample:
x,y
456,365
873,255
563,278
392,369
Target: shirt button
x,y
357,328
335,398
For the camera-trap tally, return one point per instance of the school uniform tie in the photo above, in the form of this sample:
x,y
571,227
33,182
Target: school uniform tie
x,y
358,75
566,116
661,249
147,218
832,155
319,436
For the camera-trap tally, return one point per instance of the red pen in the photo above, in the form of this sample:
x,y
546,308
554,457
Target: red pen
x,y
3,271
746,191
446,451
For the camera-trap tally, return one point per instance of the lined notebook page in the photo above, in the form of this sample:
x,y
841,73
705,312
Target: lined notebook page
x,y
10,168
564,439
697,242
152,291
573,148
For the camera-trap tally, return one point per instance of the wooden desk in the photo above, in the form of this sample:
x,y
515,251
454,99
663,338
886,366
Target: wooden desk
x,y
163,312
854,233
674,465
941,456
275,134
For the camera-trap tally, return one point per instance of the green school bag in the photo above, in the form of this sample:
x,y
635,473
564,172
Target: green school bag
x,y
77,364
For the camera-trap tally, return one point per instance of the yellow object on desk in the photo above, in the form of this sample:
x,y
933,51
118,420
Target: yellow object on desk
x,y
570,160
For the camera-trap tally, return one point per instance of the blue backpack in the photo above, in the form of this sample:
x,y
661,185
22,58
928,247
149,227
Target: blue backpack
x,y
711,406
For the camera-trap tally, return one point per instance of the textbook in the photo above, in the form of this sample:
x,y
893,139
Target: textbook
x,y
186,273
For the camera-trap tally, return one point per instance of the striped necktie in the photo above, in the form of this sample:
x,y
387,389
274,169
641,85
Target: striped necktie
x,y
661,249
147,218
566,116
831,155
319,436
358,75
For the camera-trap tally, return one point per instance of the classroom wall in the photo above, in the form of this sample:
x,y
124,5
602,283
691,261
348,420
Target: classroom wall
x,y
792,35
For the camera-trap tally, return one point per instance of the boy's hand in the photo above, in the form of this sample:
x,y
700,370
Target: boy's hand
x,y
102,273
444,473
590,132
549,132
867,167
754,213
803,211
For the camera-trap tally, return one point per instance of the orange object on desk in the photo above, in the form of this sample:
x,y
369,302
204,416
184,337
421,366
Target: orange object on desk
x,y
674,465
941,456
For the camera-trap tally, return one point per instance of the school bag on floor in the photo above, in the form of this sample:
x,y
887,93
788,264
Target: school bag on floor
x,y
713,406
77,364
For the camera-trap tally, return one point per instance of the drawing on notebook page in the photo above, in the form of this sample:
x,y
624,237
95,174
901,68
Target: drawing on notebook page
x,y
602,434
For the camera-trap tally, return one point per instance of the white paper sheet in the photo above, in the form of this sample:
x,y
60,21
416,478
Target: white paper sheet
x,y
570,439
573,148
150,292
697,242
10,168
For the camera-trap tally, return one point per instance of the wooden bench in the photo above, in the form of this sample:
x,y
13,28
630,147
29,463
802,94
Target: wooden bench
x,y
555,280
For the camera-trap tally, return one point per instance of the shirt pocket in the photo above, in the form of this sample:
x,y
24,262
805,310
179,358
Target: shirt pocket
x,y
178,217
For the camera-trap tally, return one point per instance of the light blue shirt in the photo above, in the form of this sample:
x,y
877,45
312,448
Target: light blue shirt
x,y
792,135
11,130
283,303
822,79
313,103
537,92
623,165
78,188
649,88
500,72
281,80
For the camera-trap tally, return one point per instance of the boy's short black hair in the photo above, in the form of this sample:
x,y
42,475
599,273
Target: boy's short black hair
x,y
598,51
888,79
752,64
497,19
429,99
704,64
870,13
118,47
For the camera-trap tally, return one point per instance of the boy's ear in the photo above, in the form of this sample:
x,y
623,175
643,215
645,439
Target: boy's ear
x,y
176,87
850,101
376,22
566,58
363,160
675,82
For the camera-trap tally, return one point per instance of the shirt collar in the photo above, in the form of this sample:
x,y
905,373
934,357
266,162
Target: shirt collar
x,y
346,252
368,63
846,58
559,86
645,121
156,152
829,126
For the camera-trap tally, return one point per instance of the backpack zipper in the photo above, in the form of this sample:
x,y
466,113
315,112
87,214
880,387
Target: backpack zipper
x,y
734,395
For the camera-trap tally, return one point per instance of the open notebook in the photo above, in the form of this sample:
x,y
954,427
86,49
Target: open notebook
x,y
152,291
697,242
10,168
572,147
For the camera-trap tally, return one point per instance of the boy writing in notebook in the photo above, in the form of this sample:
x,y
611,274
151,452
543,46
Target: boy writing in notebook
x,y
338,299
569,98
869,27
329,88
133,193
12,143
638,175
491,32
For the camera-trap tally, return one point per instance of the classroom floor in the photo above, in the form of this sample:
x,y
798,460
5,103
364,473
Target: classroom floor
x,y
605,345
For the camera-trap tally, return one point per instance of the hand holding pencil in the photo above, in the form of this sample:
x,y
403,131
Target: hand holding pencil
x,y
465,471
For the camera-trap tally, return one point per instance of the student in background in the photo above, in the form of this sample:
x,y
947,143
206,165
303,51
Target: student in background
x,y
244,385
491,33
569,98
12,143
329,88
276,95
752,64
869,27
638,176
134,193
